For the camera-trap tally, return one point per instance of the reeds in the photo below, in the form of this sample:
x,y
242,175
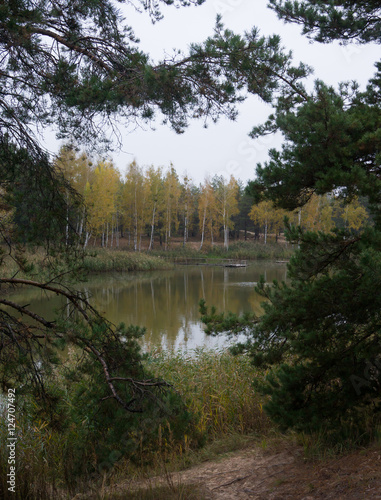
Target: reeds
x,y
104,260
38,461
247,250
217,389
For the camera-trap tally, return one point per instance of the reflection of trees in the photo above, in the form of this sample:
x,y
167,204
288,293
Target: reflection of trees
x,y
40,302
166,302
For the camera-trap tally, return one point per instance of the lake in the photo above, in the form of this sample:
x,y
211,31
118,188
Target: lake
x,y
166,302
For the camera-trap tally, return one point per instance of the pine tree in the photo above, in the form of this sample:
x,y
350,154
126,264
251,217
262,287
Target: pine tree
x,y
327,20
320,337
326,320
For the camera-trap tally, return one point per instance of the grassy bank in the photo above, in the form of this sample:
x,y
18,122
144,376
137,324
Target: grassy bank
x,y
239,250
226,416
105,260
96,261
101,260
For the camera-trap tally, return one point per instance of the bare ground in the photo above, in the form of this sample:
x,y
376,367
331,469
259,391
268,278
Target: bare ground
x,y
257,474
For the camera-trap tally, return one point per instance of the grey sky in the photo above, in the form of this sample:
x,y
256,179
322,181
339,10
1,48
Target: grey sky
x,y
225,148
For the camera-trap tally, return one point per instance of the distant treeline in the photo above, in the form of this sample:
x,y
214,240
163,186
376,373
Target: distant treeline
x,y
154,204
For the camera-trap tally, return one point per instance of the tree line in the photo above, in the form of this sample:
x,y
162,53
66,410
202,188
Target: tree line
x,y
154,204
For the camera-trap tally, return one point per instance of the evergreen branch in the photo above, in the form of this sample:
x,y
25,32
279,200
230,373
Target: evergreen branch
x,y
74,47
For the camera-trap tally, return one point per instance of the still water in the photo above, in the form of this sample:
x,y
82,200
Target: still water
x,y
166,302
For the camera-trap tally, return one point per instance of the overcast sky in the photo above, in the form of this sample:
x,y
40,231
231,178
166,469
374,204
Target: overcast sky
x,y
225,148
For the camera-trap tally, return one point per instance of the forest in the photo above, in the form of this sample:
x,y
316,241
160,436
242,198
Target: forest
x,y
154,204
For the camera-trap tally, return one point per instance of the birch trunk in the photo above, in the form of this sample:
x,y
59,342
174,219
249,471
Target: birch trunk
x,y
203,229
152,228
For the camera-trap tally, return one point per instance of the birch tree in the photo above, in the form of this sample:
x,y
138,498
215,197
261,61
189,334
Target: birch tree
x,y
78,169
207,211
353,214
101,198
188,200
172,194
155,198
261,214
134,203
226,194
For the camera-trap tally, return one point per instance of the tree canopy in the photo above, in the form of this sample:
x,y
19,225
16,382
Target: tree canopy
x,y
343,20
77,66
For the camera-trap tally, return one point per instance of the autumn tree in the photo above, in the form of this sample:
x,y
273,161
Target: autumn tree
x,y
188,200
317,214
353,214
207,211
78,170
267,216
172,192
101,200
155,198
135,199
226,194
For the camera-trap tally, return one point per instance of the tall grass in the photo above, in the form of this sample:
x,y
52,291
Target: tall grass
x,y
104,260
217,390
38,461
250,250
247,250
96,261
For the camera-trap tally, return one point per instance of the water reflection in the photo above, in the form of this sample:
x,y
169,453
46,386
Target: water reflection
x,y
166,302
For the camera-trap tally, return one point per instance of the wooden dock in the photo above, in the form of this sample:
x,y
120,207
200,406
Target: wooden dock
x,y
203,261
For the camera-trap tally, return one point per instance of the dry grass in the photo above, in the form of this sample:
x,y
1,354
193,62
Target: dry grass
x,y
105,260
217,389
